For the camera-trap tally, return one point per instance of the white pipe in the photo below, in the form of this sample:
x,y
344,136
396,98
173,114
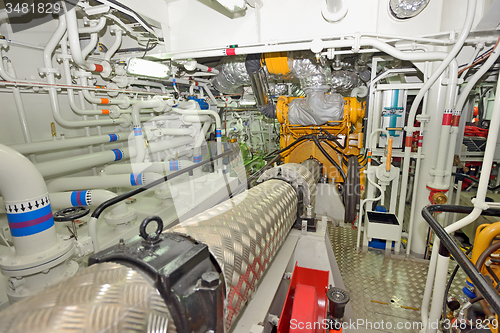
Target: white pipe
x,y
51,145
23,189
54,101
157,167
115,46
74,42
81,162
62,200
149,83
441,276
445,146
414,194
101,182
464,94
471,9
16,93
218,126
368,172
342,43
94,38
95,28
136,121
479,202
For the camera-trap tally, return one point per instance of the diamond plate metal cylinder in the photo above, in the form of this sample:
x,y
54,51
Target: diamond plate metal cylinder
x,y
314,166
244,234
104,297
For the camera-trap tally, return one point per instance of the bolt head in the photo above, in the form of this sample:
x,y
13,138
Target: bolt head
x,y
209,279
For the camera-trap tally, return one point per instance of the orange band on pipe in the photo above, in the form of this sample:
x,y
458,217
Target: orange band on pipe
x,y
389,155
104,101
105,111
98,68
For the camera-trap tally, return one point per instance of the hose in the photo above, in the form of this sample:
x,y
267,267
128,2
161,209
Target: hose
x,y
474,180
329,158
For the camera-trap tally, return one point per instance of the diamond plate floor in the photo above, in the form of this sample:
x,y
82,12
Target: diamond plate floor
x,y
382,288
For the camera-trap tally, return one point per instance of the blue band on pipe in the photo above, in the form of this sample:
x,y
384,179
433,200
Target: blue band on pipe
x,y
118,154
30,223
197,159
218,133
135,179
174,165
137,131
173,81
79,198
113,137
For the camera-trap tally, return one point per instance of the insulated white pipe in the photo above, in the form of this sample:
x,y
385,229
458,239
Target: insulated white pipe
x,y
51,145
27,204
101,182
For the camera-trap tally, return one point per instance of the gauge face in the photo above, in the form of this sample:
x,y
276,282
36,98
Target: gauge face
x,y
141,67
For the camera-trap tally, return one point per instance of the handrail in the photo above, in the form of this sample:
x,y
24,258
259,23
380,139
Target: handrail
x,y
488,292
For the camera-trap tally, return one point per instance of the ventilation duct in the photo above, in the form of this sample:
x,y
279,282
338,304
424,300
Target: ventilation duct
x,y
405,9
232,75
344,81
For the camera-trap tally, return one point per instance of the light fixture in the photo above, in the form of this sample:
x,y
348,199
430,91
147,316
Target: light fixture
x,y
405,9
141,67
233,5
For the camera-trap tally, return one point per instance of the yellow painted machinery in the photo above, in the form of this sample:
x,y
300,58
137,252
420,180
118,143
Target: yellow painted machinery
x,y
339,139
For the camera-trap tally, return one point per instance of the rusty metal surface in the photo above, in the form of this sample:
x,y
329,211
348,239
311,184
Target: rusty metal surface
x,y
104,297
244,234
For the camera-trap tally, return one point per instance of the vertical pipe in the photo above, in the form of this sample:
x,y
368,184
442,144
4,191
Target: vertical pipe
x,y
27,204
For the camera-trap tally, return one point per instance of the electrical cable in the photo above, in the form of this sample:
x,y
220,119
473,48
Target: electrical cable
x,y
484,57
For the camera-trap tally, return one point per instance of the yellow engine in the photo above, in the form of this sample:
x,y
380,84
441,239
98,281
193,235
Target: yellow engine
x,y
339,139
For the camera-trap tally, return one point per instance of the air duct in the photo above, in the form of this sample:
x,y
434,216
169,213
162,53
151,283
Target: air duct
x,y
260,86
317,108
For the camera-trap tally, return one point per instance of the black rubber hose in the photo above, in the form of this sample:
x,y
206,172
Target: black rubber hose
x,y
474,180
329,158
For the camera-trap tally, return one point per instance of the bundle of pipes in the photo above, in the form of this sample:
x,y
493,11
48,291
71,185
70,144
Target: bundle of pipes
x,y
216,264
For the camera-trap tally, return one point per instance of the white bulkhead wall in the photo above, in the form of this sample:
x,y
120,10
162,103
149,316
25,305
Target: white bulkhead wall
x,y
196,25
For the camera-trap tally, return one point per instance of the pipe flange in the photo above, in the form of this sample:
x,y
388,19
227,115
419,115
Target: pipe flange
x,y
13,265
126,101
127,120
115,220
